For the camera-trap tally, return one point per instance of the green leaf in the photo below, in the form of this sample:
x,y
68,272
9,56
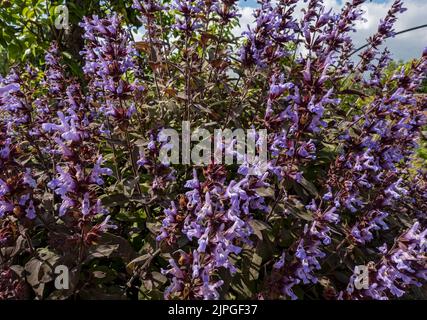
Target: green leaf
x,y
258,227
111,246
39,270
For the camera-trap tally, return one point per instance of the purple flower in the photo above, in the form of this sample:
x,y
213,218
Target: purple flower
x,y
4,188
85,204
307,71
279,264
203,241
193,183
63,184
106,225
5,151
98,171
10,88
28,179
5,207
65,205
30,211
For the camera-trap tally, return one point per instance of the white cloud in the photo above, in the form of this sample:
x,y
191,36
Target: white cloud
x,y
404,47
245,20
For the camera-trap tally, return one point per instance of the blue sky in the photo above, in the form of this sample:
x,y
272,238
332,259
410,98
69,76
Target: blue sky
x,y
403,47
253,3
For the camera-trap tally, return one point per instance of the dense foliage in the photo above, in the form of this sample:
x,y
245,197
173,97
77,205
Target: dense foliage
x,y
27,27
82,184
